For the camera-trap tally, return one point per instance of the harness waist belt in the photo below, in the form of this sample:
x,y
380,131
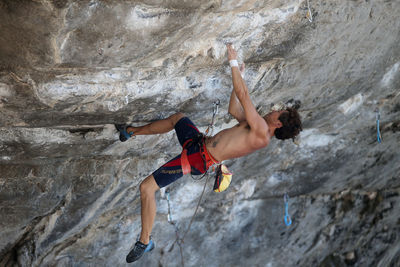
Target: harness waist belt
x,y
207,157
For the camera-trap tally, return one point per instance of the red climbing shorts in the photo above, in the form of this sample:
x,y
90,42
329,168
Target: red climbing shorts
x,y
200,160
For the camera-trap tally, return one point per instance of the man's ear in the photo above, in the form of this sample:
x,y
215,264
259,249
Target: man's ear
x,y
278,124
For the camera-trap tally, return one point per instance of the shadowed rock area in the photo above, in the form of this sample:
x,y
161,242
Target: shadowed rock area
x,y
69,189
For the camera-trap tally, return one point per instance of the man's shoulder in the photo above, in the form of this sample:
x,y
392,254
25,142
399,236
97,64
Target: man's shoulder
x,y
253,138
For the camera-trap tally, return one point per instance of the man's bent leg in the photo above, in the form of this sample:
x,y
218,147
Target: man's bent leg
x,y
157,127
148,189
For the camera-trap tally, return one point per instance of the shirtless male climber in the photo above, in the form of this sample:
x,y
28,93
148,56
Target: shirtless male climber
x,y
252,133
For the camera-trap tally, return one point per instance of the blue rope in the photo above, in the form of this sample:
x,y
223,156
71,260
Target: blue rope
x,y
378,116
287,219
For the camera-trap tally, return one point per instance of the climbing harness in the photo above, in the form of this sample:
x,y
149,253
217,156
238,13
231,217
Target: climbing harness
x,y
215,112
287,219
378,133
208,160
180,240
309,15
200,140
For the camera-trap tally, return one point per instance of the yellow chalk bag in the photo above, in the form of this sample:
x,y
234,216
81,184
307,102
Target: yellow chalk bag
x,y
222,178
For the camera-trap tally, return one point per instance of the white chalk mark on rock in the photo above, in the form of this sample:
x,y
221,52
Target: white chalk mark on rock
x,y
390,75
351,104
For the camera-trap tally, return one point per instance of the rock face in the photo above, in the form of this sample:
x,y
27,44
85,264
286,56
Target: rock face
x,y
71,69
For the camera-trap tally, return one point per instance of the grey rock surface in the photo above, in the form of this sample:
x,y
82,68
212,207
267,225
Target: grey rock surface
x,y
71,69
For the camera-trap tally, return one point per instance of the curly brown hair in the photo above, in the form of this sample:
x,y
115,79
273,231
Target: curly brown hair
x,y
291,124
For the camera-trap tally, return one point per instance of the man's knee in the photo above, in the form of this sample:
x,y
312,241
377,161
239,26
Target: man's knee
x,y
176,117
143,189
148,186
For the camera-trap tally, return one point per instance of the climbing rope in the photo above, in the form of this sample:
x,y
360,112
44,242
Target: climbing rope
x,y
378,117
180,240
287,219
309,13
215,112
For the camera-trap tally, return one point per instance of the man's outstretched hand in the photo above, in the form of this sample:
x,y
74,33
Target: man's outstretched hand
x,y
232,54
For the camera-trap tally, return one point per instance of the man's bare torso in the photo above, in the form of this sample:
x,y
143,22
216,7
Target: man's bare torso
x,y
232,143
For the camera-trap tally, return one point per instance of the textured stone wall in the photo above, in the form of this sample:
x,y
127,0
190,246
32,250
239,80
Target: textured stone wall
x,y
71,69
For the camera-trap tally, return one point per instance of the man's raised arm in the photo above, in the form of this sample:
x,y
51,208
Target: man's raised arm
x,y
235,108
257,124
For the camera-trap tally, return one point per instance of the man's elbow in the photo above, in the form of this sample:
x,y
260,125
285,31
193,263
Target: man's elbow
x,y
236,114
231,111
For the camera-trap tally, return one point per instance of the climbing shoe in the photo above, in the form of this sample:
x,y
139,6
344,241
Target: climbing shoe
x,y
123,134
138,250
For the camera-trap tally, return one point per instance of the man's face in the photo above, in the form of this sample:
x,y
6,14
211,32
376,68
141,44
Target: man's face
x,y
273,118
277,114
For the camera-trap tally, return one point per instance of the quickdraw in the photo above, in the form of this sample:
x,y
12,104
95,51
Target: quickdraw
x,y
378,132
309,13
287,219
215,112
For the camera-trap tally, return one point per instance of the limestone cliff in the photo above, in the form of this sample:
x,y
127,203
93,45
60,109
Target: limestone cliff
x,y
70,69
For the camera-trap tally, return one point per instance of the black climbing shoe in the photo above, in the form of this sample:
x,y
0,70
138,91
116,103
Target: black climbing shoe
x,y
123,134
138,250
